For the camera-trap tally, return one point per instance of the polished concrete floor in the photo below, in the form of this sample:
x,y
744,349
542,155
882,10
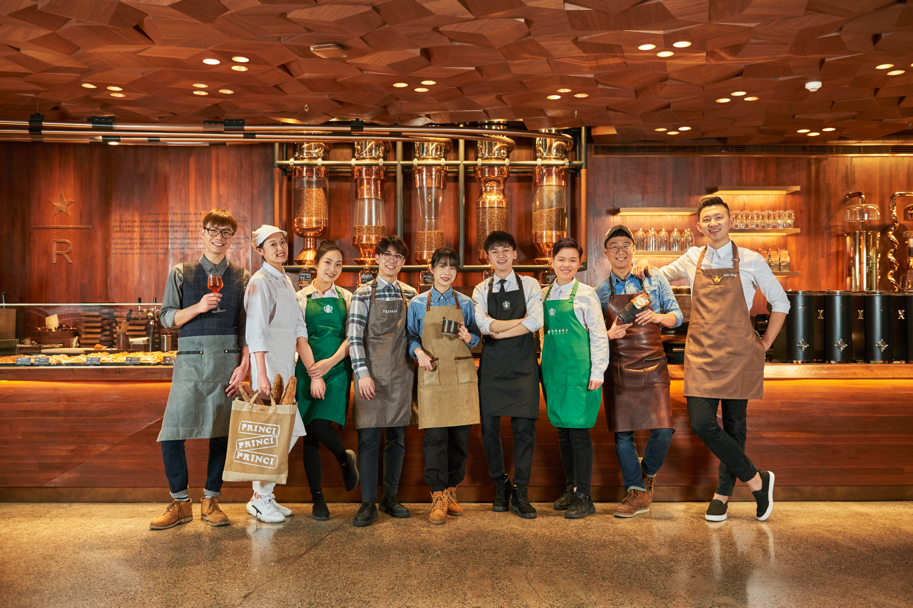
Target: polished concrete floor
x,y
808,554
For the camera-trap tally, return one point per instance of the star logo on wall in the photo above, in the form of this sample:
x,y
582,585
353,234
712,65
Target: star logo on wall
x,y
61,204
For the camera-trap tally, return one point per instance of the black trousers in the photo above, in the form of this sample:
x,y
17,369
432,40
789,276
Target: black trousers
x,y
576,449
320,431
524,440
727,443
368,453
445,450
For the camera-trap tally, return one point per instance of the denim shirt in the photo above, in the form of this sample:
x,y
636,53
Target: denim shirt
x,y
416,318
658,288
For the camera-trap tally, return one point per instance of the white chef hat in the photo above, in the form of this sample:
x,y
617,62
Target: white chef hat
x,y
264,232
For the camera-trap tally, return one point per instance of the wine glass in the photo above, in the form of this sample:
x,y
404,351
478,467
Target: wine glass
x,y
214,282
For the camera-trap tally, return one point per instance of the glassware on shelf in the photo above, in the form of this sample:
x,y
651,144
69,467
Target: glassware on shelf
x,y
551,193
784,260
640,238
650,241
662,241
309,199
790,218
492,211
756,220
739,219
675,241
769,219
370,221
687,239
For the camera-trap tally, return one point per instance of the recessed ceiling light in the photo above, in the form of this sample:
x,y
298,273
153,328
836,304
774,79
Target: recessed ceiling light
x,y
738,93
581,95
564,90
115,89
117,95
200,93
751,99
723,100
89,86
429,82
239,68
684,128
421,90
665,54
211,61
895,72
816,134
240,59
672,133
828,129
803,130
661,129
554,97
884,66
400,85
682,44
200,86
646,47
113,143
226,91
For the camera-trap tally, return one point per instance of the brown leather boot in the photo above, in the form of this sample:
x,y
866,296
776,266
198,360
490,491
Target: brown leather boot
x,y
438,508
178,512
635,502
649,482
211,512
453,507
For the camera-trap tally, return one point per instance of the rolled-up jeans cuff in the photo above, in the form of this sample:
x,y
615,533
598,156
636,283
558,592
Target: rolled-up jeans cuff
x,y
638,488
182,495
211,494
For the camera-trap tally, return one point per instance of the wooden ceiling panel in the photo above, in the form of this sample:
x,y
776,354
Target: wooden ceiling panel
x,y
492,33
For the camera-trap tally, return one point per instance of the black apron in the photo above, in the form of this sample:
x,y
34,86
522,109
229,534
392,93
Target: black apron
x,y
508,370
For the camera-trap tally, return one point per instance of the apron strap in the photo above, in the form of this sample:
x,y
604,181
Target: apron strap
x,y
735,257
700,258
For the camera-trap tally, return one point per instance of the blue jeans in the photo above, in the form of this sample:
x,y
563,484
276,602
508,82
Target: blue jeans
x,y
654,455
176,467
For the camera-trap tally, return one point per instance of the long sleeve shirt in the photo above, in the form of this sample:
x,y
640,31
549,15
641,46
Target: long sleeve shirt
x,y
753,272
416,320
532,292
260,303
174,292
662,300
359,309
588,310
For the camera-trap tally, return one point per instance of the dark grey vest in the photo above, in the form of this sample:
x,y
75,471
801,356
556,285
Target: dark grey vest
x,y
212,323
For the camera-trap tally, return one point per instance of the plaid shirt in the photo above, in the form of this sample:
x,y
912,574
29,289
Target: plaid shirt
x,y
358,318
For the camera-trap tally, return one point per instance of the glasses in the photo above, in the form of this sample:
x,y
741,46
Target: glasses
x,y
227,234
393,256
616,248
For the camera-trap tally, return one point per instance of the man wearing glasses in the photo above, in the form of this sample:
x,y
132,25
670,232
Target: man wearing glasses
x,y
637,381
211,342
384,378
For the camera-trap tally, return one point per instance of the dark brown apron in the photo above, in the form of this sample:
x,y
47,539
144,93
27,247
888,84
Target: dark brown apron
x,y
637,395
724,357
391,368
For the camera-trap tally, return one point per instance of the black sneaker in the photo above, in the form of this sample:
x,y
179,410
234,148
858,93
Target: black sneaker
x,y
319,510
519,503
366,515
765,496
349,472
716,511
391,506
580,507
502,494
565,500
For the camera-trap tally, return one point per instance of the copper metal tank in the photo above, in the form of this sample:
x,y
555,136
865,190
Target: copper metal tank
x,y
309,199
370,223
550,204
492,210
428,183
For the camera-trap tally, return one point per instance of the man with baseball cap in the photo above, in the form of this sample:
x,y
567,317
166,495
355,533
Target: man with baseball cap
x,y
636,397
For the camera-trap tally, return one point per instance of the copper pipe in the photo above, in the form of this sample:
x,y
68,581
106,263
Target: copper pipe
x,y
277,215
892,239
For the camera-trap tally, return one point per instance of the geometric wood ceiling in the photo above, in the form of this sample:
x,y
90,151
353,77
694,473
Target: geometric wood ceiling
x,y
489,60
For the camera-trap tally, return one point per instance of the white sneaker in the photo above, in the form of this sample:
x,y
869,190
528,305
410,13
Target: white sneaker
x,y
284,510
265,510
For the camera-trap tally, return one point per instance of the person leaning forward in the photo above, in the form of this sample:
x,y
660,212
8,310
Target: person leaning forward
x,y
384,376
636,392
210,365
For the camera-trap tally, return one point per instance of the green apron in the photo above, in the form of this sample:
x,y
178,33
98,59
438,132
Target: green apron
x,y
326,321
566,367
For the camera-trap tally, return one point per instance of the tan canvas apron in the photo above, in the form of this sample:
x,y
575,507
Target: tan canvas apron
x,y
448,395
389,365
724,357
637,395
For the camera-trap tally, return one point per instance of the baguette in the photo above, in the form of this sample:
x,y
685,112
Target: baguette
x,y
288,397
246,391
277,388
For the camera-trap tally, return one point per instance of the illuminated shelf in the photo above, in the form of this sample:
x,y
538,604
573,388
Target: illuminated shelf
x,y
765,231
643,211
740,190
789,273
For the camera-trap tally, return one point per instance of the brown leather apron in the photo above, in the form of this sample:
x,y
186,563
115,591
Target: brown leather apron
x,y
637,379
724,357
390,366
448,395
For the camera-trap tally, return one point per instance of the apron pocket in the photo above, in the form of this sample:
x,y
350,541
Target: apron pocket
x,y
188,367
738,339
655,371
432,378
466,370
218,366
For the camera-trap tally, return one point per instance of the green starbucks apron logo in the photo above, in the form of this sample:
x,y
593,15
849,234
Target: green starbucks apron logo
x,y
328,308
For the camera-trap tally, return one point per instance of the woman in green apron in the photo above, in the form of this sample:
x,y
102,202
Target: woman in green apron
x,y
575,355
324,374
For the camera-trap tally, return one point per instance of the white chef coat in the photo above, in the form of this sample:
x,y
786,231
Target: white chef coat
x,y
588,311
532,292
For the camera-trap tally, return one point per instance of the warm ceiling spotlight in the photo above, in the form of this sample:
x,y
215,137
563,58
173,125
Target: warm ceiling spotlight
x,y
723,100
226,91
400,85
895,72
429,82
684,128
816,134
554,97
661,129
884,66
211,61
646,47
86,85
738,93
665,54
564,90
113,143
751,99
803,130
828,129
581,95
115,89
682,44
240,59
201,86
672,133
117,95
239,68
200,93
421,90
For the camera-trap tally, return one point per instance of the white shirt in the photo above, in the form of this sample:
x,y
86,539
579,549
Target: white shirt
x,y
260,303
588,311
753,272
304,292
531,291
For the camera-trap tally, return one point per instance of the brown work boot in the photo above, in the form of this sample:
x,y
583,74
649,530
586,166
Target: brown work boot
x,y
635,502
648,485
453,507
178,512
438,507
211,512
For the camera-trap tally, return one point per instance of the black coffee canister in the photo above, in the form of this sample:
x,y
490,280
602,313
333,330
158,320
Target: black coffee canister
x,y
908,314
819,326
900,325
838,326
800,326
879,338
858,343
